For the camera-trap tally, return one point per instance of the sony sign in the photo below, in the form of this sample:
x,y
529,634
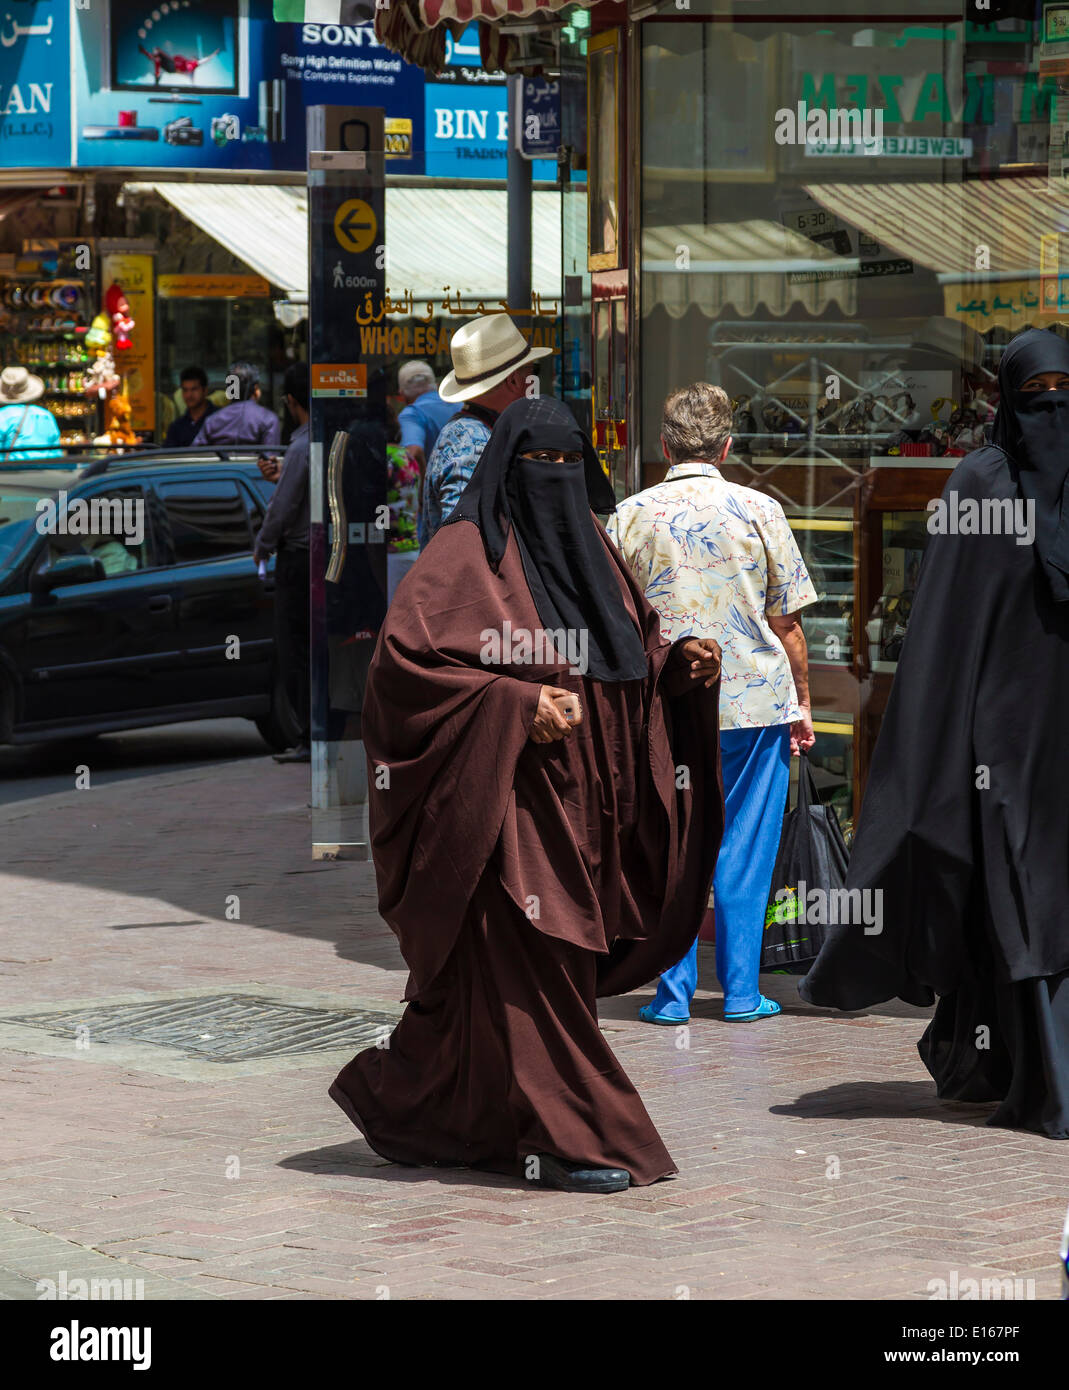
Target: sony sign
x,y
340,35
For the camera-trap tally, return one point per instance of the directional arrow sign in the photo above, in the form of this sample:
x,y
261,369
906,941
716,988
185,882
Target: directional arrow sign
x,y
355,225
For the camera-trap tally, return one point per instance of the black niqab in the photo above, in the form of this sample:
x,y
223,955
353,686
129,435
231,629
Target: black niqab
x,y
1032,429
565,561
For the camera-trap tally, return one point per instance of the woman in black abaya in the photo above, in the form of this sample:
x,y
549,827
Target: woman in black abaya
x,y
965,823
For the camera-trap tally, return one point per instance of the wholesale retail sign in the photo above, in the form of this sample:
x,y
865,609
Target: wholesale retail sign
x,y
35,110
220,85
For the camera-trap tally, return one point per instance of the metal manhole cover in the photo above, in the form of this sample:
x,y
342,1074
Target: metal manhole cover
x,y
219,1027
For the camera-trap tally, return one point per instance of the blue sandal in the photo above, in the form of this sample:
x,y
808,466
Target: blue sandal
x,y
647,1015
767,1008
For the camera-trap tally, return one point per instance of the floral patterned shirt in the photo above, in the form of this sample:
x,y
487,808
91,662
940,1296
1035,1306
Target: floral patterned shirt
x,y
715,559
457,450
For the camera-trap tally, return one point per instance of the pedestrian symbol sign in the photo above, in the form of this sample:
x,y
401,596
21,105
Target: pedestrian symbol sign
x,y
355,225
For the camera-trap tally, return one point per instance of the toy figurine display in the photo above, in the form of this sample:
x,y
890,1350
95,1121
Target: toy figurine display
x,y
122,322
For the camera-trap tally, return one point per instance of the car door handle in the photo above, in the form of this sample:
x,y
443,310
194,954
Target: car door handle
x,y
160,603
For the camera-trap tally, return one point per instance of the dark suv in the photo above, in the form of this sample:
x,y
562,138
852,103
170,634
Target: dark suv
x,y
157,614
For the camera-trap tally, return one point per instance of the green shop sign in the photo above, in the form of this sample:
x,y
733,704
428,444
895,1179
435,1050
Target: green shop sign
x,y
1035,100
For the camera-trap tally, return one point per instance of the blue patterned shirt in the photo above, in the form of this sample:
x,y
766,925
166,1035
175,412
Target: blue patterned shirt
x,y
458,449
715,559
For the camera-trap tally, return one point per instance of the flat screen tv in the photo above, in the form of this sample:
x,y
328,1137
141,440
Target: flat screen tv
x,y
188,46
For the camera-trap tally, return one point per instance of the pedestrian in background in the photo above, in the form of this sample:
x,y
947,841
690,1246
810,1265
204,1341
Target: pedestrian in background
x,y
194,385
719,560
490,361
244,421
961,842
27,431
285,529
424,412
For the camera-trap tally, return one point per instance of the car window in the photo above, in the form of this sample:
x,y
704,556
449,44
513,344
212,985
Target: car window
x,y
255,506
206,519
109,524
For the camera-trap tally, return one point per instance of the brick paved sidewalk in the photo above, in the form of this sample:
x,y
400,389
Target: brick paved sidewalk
x,y
815,1160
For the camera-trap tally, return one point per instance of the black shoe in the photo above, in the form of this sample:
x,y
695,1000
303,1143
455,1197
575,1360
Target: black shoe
x,y
574,1177
301,754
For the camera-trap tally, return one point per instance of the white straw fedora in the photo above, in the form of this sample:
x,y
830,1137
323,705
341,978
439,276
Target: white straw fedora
x,y
19,387
484,352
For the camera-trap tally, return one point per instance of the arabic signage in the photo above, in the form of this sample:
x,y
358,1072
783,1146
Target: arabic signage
x,y
540,128
431,334
213,287
1009,304
35,110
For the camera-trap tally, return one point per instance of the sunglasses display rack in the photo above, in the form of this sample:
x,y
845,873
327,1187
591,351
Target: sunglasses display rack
x,y
44,317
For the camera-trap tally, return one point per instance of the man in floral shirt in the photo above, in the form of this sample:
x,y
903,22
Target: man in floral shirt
x,y
719,560
491,369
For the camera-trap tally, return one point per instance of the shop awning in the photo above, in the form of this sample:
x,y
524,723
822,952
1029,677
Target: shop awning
x,y
417,28
741,265
942,225
437,237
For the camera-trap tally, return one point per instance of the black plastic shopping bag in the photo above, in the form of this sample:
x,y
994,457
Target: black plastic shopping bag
x,y
812,856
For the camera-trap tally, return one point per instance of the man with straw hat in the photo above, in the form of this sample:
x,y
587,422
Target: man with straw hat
x,y
491,369
32,428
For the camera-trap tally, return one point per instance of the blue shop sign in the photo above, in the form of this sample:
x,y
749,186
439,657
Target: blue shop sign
x,y
35,110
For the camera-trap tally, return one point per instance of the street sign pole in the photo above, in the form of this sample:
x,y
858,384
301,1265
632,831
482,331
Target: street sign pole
x,y
347,272
519,211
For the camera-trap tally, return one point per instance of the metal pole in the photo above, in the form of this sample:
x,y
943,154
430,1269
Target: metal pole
x,y
519,212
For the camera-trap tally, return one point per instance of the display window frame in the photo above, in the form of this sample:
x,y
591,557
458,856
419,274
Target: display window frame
x,y
600,255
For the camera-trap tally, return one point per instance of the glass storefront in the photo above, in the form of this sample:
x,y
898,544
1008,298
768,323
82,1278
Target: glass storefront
x,y
843,221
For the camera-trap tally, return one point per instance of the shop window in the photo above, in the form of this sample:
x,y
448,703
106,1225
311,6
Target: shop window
x,y
850,282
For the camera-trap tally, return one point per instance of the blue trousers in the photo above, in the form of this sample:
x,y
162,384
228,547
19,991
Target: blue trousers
x,y
756,768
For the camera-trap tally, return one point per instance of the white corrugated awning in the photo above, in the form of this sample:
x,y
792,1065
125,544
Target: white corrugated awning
x,y
741,264
435,237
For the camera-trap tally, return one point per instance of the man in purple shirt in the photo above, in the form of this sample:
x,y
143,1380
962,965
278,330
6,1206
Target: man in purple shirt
x,y
245,420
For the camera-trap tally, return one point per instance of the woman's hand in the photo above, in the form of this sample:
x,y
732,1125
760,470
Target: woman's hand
x,y
549,724
703,656
802,735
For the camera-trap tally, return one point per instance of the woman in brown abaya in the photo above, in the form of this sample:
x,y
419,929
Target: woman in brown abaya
x,y
528,864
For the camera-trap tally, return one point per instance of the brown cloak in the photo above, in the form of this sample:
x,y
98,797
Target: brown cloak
x,y
523,879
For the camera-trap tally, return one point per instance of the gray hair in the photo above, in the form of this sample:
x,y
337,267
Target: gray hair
x,y
413,372
696,423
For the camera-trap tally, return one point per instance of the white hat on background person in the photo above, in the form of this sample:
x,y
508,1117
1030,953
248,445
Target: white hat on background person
x,y
19,387
410,374
484,352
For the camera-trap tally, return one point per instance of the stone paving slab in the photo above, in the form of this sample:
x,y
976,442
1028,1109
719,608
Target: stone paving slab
x,y
816,1161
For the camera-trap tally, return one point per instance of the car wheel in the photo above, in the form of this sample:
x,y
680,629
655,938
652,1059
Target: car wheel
x,y
278,728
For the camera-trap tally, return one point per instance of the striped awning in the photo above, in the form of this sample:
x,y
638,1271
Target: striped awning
x,y
417,29
991,226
